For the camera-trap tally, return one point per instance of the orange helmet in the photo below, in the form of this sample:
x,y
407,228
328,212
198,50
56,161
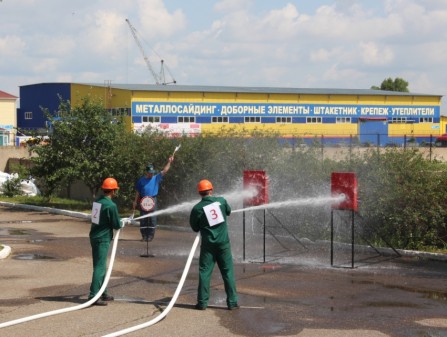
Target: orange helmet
x,y
204,185
110,184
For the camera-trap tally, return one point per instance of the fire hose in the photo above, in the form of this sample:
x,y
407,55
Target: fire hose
x,y
106,280
77,307
171,303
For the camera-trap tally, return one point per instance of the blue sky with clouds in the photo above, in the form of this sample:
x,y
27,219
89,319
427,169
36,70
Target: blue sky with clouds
x,y
268,43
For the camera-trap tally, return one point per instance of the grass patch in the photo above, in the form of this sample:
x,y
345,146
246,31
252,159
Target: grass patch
x,y
83,206
59,203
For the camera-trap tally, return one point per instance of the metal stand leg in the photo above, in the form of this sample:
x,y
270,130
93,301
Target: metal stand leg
x,y
264,235
352,240
147,251
332,237
243,235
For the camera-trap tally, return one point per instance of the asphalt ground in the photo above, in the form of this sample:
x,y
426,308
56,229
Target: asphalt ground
x,y
50,268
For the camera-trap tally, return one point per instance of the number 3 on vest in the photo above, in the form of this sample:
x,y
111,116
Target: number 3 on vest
x,y
213,214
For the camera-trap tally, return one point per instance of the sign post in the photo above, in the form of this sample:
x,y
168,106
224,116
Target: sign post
x,y
256,186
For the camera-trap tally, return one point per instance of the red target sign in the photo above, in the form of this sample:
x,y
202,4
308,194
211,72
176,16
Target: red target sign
x,y
147,204
256,182
344,183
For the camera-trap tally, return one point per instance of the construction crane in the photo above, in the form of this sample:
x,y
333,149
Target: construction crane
x,y
159,78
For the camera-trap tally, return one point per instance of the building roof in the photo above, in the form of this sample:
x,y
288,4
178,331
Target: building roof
x,y
253,90
256,90
5,95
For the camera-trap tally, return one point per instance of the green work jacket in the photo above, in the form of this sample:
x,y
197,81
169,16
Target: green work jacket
x,y
109,220
199,222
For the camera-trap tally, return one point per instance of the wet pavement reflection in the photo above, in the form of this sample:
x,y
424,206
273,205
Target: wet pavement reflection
x,y
51,263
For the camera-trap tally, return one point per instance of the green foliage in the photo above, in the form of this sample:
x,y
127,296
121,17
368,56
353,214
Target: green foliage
x,y
403,198
398,84
402,195
82,146
11,187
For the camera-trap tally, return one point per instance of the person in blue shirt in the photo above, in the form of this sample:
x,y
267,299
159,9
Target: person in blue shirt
x,y
146,198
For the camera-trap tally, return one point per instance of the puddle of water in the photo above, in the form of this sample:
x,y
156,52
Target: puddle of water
x,y
33,257
15,221
391,304
429,294
269,267
18,232
432,295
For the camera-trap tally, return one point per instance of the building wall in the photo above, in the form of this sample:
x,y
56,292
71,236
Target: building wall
x,y
112,97
443,126
289,114
34,97
407,116
8,115
117,100
8,121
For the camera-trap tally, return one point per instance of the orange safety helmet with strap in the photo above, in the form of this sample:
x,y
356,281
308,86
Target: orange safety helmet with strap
x,y
110,184
204,185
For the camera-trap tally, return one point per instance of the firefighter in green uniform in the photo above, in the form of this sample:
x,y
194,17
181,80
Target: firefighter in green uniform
x,y
105,219
209,217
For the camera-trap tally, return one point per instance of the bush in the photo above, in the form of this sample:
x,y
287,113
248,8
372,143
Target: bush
x,y
12,187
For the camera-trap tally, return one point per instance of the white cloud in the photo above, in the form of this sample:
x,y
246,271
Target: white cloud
x,y
373,54
104,37
336,43
157,22
11,45
226,6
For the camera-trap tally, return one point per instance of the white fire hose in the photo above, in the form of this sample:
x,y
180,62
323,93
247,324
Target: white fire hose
x,y
171,303
106,280
77,307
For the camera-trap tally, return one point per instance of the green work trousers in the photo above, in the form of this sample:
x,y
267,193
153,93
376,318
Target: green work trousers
x,y
100,250
209,255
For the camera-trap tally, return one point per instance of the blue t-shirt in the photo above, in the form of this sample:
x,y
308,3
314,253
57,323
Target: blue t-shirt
x,y
148,187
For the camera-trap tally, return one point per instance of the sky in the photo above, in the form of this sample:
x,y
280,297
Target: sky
x,y
342,44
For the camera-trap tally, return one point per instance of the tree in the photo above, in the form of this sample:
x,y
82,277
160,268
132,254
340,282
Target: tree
x,y
82,146
398,84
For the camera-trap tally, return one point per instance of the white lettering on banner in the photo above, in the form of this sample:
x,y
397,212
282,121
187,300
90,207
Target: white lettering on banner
x,y
413,111
242,110
374,111
141,108
188,109
213,213
246,109
288,110
336,110
96,211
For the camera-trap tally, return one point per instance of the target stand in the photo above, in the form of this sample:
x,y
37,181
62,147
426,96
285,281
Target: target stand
x,y
255,182
147,248
344,184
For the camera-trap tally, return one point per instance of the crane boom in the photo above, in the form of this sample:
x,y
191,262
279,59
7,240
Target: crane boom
x,y
146,59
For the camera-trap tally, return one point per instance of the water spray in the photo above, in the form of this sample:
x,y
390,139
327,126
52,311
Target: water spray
x,y
316,201
176,149
186,206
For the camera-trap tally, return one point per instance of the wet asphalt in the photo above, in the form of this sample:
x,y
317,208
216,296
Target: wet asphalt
x,y
295,292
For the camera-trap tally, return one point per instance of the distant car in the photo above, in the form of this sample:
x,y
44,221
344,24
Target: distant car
x,y
441,140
